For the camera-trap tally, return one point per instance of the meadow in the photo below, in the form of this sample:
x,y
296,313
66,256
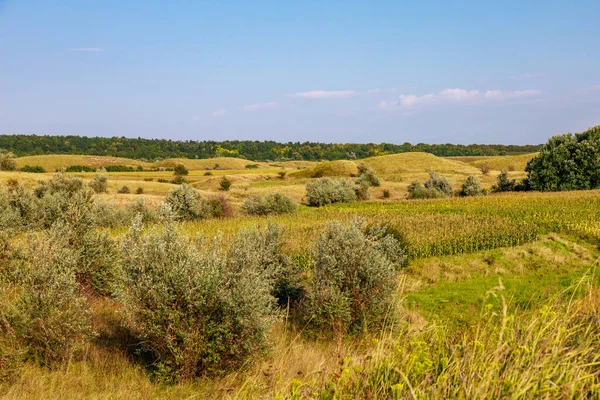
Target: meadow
x,y
497,296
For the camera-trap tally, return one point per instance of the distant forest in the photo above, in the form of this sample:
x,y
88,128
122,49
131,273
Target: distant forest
x,y
152,149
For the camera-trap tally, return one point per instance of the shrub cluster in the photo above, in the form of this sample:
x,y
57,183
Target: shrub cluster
x,y
471,187
354,277
437,186
99,184
196,308
328,191
184,203
7,161
275,203
36,169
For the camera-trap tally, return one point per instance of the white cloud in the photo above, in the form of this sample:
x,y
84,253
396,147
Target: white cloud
x,y
324,94
517,94
455,95
526,76
260,106
219,113
88,49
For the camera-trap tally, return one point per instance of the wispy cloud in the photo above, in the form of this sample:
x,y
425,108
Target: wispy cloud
x,y
528,75
456,95
260,106
88,49
219,113
324,94
505,95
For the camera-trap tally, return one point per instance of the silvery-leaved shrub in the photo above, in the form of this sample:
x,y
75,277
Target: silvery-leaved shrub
x,y
49,316
354,278
98,264
7,161
328,191
471,187
197,307
59,183
417,191
99,183
275,203
367,174
439,182
184,203
10,214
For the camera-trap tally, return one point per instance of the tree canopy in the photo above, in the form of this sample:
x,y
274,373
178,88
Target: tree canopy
x,y
567,162
152,149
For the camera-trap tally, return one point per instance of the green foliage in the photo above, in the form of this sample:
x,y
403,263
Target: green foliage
x,y
180,170
36,169
196,308
504,183
328,191
275,203
367,174
184,203
99,183
50,317
353,279
120,168
79,168
59,183
7,161
124,190
224,184
471,187
216,207
440,183
567,162
151,149
417,191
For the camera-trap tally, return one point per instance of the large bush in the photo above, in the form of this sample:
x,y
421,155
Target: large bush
x,y
504,183
99,183
275,203
354,277
567,162
7,161
471,187
49,316
440,183
196,307
185,204
328,191
417,191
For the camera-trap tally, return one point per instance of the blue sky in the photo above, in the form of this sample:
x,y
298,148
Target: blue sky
x,y
331,71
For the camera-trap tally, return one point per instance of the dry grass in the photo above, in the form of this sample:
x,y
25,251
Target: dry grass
x,y
417,162
228,163
516,163
339,168
53,162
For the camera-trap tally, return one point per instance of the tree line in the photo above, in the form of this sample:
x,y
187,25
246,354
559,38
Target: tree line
x,y
152,149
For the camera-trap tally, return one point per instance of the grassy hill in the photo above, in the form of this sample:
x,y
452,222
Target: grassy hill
x,y
417,162
328,168
53,162
515,163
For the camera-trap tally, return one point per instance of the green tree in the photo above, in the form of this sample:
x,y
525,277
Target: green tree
x,y
567,162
